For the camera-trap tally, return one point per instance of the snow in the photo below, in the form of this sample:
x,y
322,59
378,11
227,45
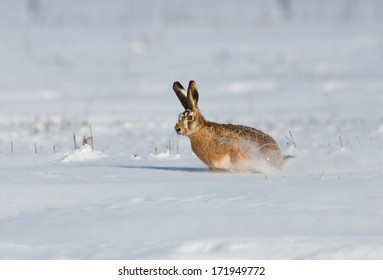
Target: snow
x,y
312,80
85,153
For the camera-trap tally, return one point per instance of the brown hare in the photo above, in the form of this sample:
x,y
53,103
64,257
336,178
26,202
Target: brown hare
x,y
225,147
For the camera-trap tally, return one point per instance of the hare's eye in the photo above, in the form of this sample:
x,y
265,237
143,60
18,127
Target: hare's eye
x,y
190,118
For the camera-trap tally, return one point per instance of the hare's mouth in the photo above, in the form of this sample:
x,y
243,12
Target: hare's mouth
x,y
177,129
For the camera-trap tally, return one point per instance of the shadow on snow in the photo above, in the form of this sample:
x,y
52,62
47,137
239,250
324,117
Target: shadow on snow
x,y
166,168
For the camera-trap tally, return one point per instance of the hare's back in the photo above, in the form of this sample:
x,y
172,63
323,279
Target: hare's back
x,y
247,133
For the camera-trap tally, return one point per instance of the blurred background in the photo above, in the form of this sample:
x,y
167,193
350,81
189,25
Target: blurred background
x,y
68,64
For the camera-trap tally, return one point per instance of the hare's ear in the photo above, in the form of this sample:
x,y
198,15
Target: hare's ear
x,y
181,94
193,95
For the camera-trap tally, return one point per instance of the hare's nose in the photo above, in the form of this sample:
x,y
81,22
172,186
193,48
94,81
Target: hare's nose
x,y
177,129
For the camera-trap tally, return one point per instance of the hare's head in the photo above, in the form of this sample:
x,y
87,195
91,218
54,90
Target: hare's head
x,y
191,120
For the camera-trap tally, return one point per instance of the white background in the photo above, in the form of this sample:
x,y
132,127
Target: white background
x,y
313,69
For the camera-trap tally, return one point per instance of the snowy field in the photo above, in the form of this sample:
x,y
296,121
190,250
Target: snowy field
x,y
309,74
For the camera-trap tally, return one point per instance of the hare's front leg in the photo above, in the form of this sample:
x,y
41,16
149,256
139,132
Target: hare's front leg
x,y
215,169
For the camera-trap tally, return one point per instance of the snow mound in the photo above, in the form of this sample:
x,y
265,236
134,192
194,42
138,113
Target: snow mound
x,y
85,153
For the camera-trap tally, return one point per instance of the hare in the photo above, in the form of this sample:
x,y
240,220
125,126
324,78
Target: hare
x,y
224,147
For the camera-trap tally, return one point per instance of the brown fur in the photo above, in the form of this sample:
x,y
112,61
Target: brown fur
x,y
223,146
